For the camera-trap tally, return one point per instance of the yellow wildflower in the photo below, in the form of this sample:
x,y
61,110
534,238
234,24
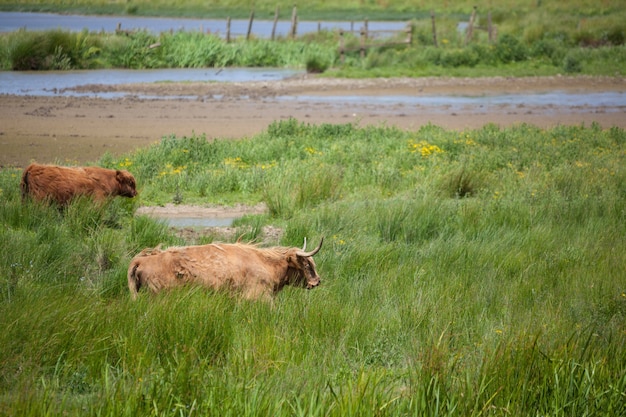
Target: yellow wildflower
x,y
312,151
424,148
236,162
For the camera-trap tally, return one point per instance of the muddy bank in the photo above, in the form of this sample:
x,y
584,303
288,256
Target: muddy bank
x,y
74,130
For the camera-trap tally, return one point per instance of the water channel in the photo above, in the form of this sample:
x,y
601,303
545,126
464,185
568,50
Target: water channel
x,y
54,83
12,21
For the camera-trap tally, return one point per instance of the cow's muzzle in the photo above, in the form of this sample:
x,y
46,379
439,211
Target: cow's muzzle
x,y
313,284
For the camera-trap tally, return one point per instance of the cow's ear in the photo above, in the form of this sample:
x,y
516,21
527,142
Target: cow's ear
x,y
119,175
292,258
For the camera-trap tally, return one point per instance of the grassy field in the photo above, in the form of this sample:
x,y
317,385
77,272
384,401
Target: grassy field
x,y
466,273
532,38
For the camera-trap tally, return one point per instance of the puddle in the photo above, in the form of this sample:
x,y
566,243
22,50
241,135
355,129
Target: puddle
x,y
198,221
183,216
609,101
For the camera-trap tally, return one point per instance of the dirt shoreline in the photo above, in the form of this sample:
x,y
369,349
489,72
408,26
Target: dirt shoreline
x,y
76,130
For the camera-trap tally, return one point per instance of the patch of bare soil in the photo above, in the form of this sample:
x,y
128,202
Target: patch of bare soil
x,y
191,211
270,235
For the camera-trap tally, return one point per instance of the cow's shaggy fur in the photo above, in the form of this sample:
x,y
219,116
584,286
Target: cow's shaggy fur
x,y
239,268
61,184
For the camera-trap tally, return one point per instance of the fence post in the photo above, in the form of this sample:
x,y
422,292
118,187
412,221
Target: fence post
x,y
250,25
228,30
432,17
341,51
363,37
409,34
470,27
366,26
275,23
294,21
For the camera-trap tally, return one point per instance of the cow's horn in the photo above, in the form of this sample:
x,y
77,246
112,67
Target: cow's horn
x,y
313,252
304,246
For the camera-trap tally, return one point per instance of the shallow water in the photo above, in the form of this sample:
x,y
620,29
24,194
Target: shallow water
x,y
178,221
608,101
12,21
56,83
62,83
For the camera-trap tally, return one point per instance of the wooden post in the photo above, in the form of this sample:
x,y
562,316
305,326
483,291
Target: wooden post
x,y
409,34
366,27
250,25
432,17
228,30
319,27
470,27
275,23
294,21
341,46
363,36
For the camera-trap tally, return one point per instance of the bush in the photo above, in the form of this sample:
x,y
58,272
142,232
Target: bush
x,y
316,64
465,57
572,64
52,50
616,35
510,49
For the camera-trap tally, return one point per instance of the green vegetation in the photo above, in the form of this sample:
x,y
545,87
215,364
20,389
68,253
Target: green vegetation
x,y
67,50
530,38
319,52
480,272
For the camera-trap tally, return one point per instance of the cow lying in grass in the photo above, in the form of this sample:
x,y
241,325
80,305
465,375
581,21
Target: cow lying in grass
x,y
239,268
61,184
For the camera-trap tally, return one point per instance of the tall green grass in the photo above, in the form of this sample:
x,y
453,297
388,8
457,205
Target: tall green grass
x,y
463,273
63,50
542,42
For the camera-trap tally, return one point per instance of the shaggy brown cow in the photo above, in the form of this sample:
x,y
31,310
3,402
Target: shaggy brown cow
x,y
245,269
61,184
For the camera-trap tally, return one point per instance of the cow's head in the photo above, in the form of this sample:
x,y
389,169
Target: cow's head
x,y
302,266
126,183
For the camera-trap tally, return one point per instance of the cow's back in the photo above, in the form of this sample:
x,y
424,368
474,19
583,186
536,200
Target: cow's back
x,y
61,184
50,182
234,267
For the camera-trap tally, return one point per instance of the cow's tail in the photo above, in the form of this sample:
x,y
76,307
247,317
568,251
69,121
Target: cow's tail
x,y
25,185
134,282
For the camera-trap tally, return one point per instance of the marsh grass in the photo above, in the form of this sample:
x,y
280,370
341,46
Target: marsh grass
x,y
463,273
537,44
